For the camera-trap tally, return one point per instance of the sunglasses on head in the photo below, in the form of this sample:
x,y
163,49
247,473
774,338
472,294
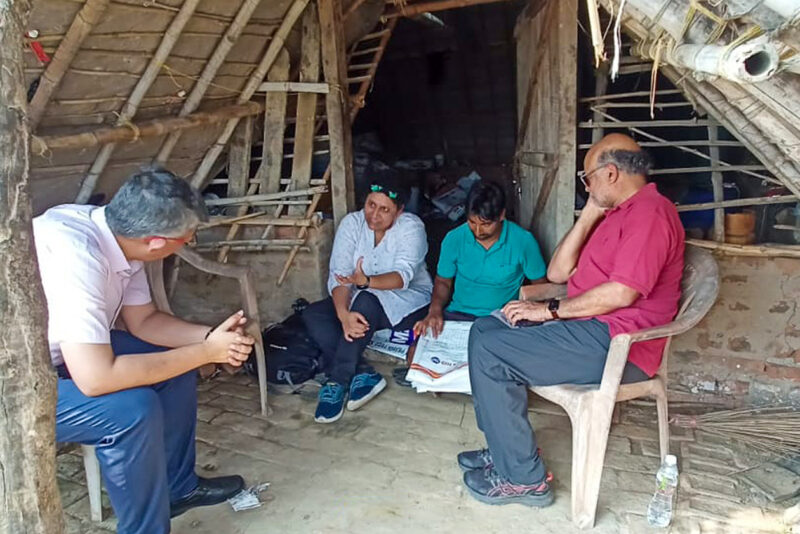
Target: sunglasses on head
x,y
375,188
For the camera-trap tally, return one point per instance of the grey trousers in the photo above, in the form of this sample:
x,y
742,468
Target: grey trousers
x,y
504,361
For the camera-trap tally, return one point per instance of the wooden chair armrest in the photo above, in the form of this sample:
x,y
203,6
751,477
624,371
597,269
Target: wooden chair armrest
x,y
212,267
542,291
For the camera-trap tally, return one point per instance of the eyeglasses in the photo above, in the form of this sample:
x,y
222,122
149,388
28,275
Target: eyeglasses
x,y
584,176
375,188
191,240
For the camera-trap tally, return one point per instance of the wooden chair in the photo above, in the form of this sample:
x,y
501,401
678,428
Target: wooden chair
x,y
155,276
590,407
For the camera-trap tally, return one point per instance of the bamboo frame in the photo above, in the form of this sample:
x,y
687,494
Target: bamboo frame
x,y
275,46
679,146
213,64
136,97
766,251
253,199
740,202
89,15
353,112
134,132
717,185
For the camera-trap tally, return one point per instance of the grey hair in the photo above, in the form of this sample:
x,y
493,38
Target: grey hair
x,y
628,161
152,202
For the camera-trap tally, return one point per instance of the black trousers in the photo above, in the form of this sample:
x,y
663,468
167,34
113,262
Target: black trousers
x,y
341,358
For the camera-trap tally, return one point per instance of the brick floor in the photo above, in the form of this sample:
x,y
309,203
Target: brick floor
x,y
390,467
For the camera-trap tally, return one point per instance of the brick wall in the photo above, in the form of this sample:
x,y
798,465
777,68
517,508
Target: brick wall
x,y
748,347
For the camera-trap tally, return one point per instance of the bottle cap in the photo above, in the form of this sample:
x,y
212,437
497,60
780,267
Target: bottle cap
x,y
670,459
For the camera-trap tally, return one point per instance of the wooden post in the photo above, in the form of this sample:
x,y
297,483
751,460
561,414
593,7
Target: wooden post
x,y
716,184
29,497
334,64
306,105
239,160
269,172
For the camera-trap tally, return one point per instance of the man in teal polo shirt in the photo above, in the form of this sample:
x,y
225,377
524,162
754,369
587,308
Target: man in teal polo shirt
x,y
482,263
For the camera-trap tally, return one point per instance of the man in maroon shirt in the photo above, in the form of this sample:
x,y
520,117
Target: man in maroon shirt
x,y
622,262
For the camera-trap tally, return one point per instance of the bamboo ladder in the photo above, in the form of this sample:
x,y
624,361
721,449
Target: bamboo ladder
x,y
297,137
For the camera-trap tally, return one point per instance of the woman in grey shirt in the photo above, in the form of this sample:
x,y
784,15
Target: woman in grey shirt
x,y
377,280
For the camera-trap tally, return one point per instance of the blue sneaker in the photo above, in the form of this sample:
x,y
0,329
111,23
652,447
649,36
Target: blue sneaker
x,y
364,388
331,403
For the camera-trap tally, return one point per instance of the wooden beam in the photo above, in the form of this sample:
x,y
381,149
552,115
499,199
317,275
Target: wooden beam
x,y
666,123
358,101
303,152
239,158
131,106
410,10
134,132
269,171
276,44
294,87
89,15
213,64
334,62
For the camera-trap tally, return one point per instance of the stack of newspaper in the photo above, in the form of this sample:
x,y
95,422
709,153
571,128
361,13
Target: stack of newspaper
x,y
440,364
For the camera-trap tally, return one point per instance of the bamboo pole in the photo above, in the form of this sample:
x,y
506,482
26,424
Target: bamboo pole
x,y
632,94
276,44
353,6
134,132
131,106
216,60
252,242
684,143
665,123
248,199
431,7
711,169
739,202
257,218
768,251
89,15
251,248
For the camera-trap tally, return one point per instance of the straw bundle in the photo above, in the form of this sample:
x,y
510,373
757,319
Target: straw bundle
x,y
771,429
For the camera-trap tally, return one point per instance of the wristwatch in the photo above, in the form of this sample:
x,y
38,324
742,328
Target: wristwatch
x,y
365,285
552,307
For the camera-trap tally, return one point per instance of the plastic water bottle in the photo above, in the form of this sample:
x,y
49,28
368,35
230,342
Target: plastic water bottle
x,y
659,512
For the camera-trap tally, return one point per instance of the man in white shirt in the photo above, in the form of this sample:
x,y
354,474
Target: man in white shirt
x,y
131,394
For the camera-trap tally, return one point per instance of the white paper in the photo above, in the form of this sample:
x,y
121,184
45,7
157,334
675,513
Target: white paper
x,y
381,342
440,364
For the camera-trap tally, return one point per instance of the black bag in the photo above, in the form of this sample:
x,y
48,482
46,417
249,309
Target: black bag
x,y
292,356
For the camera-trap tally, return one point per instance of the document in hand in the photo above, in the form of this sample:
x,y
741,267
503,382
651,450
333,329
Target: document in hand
x,y
441,364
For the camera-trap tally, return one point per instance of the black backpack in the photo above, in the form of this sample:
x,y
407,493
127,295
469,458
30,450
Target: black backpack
x,y
292,356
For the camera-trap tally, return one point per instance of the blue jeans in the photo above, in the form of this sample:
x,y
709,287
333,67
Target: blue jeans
x,y
144,438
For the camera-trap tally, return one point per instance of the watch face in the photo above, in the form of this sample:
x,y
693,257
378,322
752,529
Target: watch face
x,y
553,305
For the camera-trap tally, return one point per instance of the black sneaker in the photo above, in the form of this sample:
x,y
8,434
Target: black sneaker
x,y
479,459
469,460
488,486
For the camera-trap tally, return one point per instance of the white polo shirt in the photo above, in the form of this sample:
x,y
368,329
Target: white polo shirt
x,y
85,275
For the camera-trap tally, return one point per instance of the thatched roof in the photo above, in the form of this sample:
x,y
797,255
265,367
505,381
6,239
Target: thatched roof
x,y
111,59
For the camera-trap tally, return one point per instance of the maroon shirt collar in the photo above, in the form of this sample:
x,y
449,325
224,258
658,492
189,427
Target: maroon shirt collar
x,y
646,191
